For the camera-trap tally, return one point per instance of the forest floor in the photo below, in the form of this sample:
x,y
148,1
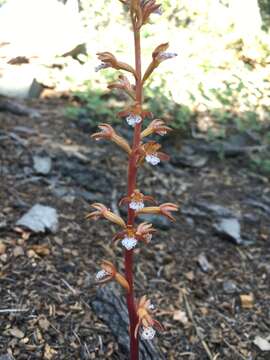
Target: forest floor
x,y
210,293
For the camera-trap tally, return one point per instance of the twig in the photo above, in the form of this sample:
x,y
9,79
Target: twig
x,y
3,311
190,315
74,291
234,350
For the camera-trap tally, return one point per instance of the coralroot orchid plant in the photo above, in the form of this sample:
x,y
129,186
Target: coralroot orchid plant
x,y
141,322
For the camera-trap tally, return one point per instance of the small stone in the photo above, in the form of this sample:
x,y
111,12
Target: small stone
x,y
31,254
42,164
18,251
247,301
263,344
204,263
2,248
229,287
3,258
230,228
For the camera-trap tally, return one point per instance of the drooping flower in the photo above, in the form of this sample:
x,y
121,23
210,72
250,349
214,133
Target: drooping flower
x,y
108,273
150,152
107,132
158,56
109,60
163,209
156,126
103,212
135,114
130,236
136,200
145,320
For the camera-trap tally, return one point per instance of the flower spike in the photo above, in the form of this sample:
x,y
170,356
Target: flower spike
x,y
163,209
109,60
108,272
107,132
157,126
103,212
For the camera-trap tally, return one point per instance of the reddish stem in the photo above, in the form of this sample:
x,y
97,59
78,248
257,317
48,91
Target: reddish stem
x,y
132,176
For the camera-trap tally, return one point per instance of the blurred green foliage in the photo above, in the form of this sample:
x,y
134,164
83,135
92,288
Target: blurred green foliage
x,y
220,81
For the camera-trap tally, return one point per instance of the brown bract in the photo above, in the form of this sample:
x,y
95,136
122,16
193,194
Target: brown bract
x,y
110,60
163,209
103,212
156,126
123,84
136,196
107,132
135,109
149,7
144,317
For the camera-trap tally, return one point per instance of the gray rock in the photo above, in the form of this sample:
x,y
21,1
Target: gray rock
x,y
6,357
231,229
215,209
40,219
42,164
229,287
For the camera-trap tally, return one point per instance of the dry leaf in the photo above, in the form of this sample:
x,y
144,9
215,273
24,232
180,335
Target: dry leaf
x,y
49,352
16,333
247,301
18,251
41,250
43,323
180,316
2,248
190,275
262,343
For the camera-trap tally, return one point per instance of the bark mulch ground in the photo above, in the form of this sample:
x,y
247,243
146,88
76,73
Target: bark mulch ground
x,y
211,294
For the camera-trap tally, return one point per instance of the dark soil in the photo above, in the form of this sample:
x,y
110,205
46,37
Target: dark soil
x,y
50,286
